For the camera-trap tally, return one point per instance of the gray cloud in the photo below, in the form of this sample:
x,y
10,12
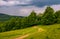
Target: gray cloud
x,y
25,10
38,3
20,7
14,2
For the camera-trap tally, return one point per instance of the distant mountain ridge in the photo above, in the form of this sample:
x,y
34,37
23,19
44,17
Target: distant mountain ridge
x,y
4,17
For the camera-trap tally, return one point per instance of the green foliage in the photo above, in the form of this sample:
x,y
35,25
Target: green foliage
x,y
57,16
32,18
48,17
39,17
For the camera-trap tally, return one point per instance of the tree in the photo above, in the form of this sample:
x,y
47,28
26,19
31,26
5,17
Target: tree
x,y
48,16
32,18
33,14
10,24
57,16
39,16
17,23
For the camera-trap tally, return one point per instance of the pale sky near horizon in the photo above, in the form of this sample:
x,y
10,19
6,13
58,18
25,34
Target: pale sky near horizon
x,y
24,7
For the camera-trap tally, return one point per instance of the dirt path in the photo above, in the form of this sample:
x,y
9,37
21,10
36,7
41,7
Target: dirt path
x,y
39,29
22,37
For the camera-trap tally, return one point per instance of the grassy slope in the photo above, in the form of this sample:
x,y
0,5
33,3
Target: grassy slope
x,y
16,33
50,32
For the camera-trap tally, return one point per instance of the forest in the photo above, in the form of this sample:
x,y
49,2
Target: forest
x,y
48,17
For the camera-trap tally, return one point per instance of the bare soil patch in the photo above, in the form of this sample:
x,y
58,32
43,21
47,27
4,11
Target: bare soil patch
x,y
22,37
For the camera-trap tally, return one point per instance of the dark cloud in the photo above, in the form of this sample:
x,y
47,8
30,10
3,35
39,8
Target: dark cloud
x,y
38,3
45,2
20,7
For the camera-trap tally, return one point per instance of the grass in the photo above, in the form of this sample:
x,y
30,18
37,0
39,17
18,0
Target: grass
x,y
16,33
50,32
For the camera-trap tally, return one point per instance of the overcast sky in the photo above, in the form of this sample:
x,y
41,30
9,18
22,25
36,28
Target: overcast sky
x,y
24,7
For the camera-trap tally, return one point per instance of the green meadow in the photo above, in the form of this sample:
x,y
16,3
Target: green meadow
x,y
36,32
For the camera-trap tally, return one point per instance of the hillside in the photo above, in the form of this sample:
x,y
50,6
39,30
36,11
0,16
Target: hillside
x,y
4,17
36,32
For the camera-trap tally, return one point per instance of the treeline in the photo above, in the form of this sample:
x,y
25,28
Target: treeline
x,y
47,18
